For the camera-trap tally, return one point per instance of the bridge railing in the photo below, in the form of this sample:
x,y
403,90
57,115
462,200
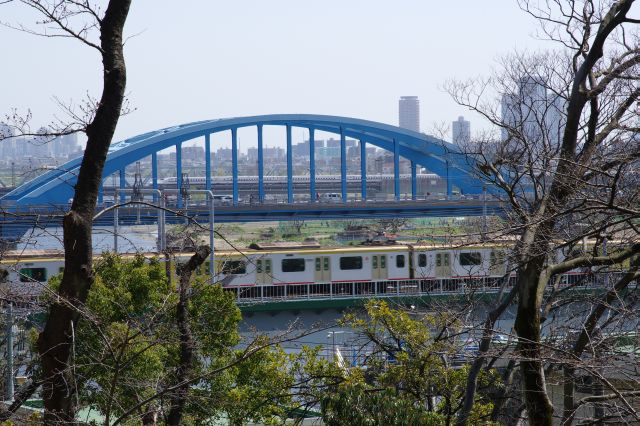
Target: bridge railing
x,y
404,288
20,212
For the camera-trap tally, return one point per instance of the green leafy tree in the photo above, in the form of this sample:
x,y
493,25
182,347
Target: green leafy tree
x,y
406,380
358,404
128,362
122,356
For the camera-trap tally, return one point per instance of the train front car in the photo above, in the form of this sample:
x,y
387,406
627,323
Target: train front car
x,y
24,273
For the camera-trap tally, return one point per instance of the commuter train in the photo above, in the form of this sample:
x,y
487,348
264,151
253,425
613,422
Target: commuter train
x,y
359,264
299,265
305,265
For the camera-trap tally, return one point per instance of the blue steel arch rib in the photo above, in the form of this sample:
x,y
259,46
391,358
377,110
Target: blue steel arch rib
x,y
440,157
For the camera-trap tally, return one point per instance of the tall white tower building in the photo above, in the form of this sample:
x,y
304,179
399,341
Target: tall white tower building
x,y
409,113
460,131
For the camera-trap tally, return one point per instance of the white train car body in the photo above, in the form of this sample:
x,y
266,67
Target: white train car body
x,y
27,271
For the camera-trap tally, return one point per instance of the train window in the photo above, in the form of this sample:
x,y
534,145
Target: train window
x,y
293,265
471,258
259,266
234,267
3,275
33,274
350,262
383,262
400,261
317,264
422,260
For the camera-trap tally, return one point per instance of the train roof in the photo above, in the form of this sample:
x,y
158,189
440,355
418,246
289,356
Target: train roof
x,y
58,255
362,249
26,256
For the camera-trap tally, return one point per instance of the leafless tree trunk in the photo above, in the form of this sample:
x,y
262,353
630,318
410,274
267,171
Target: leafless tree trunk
x,y
587,337
478,362
55,343
565,154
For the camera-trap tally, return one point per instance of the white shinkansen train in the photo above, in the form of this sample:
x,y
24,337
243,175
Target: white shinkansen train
x,y
295,266
201,180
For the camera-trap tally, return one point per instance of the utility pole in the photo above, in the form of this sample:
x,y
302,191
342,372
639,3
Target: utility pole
x,y
9,332
137,189
484,213
598,389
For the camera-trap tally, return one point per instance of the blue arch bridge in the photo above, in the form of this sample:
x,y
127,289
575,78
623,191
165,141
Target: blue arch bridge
x,y
51,192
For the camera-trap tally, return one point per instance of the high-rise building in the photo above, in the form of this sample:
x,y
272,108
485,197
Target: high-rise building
x,y
332,143
193,153
300,150
409,113
64,146
5,131
536,115
460,131
7,142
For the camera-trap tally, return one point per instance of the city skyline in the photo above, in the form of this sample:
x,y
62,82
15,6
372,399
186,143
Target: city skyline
x,y
172,82
407,105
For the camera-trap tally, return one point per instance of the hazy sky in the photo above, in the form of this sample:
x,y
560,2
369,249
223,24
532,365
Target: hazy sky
x,y
213,59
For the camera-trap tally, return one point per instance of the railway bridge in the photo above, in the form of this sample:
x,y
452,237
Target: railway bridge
x,y
51,192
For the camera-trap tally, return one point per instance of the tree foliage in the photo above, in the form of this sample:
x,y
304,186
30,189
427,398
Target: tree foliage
x,y
127,362
405,377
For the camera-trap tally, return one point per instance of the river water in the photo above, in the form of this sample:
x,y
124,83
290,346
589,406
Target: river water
x,y
130,239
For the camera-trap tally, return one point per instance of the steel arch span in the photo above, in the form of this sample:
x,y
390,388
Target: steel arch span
x,y
442,158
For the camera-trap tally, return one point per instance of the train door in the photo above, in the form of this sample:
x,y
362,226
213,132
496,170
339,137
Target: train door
x,y
443,265
264,272
379,267
323,269
497,266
